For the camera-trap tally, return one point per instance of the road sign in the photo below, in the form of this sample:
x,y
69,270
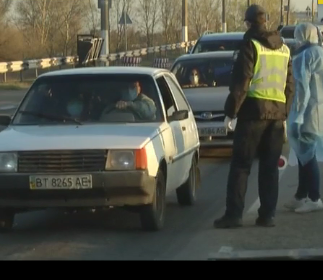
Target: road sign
x,y
319,2
122,19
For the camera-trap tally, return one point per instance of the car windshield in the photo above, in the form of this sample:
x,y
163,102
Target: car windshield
x,y
203,72
83,99
217,45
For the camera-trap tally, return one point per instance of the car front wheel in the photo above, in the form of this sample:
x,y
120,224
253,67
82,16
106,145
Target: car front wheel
x,y
152,216
186,194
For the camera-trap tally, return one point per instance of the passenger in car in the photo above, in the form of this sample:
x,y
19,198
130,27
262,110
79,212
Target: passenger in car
x,y
75,107
195,80
135,100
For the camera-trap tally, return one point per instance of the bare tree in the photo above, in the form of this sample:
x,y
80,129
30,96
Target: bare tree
x,y
148,14
70,14
170,11
235,15
34,21
117,9
203,14
93,17
5,6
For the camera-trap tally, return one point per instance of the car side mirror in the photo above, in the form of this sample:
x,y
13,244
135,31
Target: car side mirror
x,y
5,120
179,116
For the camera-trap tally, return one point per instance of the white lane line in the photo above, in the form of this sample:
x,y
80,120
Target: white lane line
x,y
255,206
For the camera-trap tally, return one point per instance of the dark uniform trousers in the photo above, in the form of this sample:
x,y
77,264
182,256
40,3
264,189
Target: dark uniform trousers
x,y
264,138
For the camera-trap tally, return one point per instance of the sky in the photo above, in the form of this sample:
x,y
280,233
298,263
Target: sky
x,y
302,4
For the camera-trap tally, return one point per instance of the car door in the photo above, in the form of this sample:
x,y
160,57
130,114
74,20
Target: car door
x,y
188,126
173,138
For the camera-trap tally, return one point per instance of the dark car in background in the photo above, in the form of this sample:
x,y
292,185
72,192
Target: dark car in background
x,y
212,42
231,41
287,32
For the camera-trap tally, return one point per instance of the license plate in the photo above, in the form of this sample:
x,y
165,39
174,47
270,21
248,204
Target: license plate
x,y
66,182
213,131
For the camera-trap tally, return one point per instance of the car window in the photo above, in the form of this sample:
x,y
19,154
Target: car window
x,y
287,33
217,45
82,98
180,100
203,72
167,96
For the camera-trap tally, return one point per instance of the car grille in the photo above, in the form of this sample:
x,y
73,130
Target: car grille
x,y
61,161
218,116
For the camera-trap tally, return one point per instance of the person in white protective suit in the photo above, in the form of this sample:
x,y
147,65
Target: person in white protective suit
x,y
305,122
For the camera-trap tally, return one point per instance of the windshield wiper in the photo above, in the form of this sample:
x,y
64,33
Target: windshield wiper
x,y
50,117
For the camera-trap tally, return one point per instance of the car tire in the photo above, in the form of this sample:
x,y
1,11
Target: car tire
x,y
6,220
186,194
152,216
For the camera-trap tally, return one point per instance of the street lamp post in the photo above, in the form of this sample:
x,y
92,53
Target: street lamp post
x,y
224,23
185,22
282,12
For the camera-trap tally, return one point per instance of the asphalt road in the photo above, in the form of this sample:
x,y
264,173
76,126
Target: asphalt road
x,y
188,234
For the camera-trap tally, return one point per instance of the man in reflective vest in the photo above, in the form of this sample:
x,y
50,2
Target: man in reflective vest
x,y
261,94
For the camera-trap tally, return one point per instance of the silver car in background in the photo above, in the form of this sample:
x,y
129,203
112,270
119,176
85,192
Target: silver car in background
x,y
207,97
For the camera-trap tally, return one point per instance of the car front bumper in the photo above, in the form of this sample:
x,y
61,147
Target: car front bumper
x,y
113,188
214,141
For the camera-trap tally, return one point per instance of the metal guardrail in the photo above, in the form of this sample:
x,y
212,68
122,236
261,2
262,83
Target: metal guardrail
x,y
16,66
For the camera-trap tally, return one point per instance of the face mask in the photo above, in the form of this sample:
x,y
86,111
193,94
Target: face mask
x,y
130,95
194,79
75,109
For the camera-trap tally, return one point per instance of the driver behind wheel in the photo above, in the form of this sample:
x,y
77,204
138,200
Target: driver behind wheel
x,y
141,104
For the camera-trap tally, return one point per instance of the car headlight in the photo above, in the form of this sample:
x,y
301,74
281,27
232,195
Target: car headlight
x,y
121,160
8,162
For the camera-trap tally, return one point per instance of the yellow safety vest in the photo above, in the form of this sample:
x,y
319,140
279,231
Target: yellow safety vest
x,y
270,73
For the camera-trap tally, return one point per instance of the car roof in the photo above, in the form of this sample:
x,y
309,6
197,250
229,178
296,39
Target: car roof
x,y
216,54
222,36
150,71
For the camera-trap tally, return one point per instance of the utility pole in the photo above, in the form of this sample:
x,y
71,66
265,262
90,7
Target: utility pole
x,y
224,23
104,6
248,3
125,28
313,11
282,12
185,22
288,12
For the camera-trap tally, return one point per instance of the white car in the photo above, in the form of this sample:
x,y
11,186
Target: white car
x,y
69,147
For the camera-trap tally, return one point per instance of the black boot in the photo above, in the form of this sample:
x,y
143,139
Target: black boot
x,y
265,222
227,222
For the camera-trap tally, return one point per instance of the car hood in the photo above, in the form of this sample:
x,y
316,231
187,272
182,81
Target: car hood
x,y
74,137
207,99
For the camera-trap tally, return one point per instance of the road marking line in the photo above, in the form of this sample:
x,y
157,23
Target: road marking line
x,y
255,206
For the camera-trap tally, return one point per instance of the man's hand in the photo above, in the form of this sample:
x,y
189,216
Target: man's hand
x,y
122,105
285,131
228,123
